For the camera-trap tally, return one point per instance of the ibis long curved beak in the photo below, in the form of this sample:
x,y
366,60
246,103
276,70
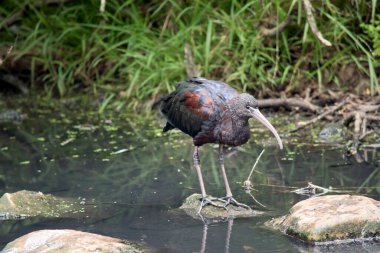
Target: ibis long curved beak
x,y
257,115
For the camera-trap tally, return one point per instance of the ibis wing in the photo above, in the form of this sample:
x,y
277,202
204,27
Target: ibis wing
x,y
216,88
190,106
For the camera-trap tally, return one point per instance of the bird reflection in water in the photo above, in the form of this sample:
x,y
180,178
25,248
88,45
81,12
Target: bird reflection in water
x,y
230,224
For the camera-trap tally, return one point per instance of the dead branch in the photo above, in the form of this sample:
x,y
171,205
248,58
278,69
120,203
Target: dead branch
x,y
167,22
265,32
288,102
18,15
368,108
312,23
372,145
358,112
333,94
363,126
367,133
359,116
14,82
321,116
102,7
348,118
191,68
2,59
373,117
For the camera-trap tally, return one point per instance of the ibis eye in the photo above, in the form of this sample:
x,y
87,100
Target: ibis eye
x,y
247,107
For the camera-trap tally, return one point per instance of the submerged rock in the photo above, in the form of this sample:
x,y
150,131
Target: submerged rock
x,y
23,204
192,204
333,217
333,133
66,240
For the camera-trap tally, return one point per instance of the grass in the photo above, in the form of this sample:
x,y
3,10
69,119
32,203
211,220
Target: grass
x,y
134,51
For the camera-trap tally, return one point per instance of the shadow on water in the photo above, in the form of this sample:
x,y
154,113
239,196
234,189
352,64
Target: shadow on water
x,y
136,177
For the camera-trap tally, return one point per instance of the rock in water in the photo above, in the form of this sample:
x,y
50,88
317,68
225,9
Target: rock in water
x,y
333,133
66,240
333,217
24,204
192,204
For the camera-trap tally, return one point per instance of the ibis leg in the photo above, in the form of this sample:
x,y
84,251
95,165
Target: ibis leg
x,y
197,164
225,179
228,199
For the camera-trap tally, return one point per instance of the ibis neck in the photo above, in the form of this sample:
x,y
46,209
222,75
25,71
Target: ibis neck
x,y
234,130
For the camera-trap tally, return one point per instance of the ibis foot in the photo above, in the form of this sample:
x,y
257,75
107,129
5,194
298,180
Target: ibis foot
x,y
229,200
207,201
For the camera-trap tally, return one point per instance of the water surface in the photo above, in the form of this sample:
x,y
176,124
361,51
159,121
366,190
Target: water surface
x,y
137,177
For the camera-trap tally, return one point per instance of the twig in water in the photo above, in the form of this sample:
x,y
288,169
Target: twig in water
x,y
367,180
311,190
253,168
248,186
254,199
359,117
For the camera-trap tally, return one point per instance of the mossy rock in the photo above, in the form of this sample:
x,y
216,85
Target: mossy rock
x,y
212,213
23,204
329,218
333,133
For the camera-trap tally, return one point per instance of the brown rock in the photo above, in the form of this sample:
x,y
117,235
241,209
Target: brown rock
x,y
64,241
333,217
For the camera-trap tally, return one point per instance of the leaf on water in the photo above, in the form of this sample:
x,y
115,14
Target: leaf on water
x,y
110,128
67,141
120,151
86,127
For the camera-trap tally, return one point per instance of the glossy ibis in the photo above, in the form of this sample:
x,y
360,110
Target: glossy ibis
x,y
212,112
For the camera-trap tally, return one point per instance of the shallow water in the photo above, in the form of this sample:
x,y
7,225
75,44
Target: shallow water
x,y
135,178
